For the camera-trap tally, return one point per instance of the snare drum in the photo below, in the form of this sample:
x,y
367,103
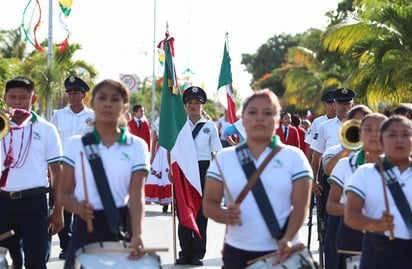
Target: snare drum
x,y
3,259
353,262
102,255
298,259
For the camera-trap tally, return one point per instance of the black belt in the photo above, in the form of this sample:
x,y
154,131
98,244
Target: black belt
x,y
24,193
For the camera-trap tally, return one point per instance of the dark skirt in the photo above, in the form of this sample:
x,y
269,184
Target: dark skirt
x,y
380,252
81,237
235,258
347,239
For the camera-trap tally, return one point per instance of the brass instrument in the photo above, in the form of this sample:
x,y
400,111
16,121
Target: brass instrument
x,y
4,124
349,134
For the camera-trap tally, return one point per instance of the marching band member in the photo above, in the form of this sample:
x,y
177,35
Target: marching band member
x,y
76,118
289,190
206,141
326,137
30,150
125,160
378,210
348,240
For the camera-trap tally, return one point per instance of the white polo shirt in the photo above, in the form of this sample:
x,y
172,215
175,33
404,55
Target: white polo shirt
x,y
42,143
121,160
331,152
343,171
69,123
327,135
288,165
207,140
366,183
314,128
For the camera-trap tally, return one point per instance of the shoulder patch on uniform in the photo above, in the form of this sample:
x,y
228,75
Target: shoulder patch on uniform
x,y
315,136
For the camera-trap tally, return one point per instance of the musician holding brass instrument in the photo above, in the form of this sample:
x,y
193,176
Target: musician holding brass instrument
x,y
267,216
327,136
29,150
361,137
379,199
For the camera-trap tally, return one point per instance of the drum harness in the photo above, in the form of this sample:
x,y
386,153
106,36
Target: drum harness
x,y
102,184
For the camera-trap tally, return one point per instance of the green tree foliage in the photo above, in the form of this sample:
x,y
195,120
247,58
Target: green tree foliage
x,y
270,55
16,59
378,38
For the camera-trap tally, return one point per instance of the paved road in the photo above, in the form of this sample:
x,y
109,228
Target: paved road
x,y
158,234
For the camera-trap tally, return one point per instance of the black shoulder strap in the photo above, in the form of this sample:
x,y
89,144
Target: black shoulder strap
x,y
259,192
102,184
397,193
197,128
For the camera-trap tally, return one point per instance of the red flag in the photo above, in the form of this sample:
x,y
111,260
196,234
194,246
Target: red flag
x,y
225,79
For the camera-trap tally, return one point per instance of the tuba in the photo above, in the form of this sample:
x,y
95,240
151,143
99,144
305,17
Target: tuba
x,y
349,134
4,124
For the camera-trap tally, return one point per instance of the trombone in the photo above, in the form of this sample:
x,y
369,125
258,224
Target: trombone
x,y
349,134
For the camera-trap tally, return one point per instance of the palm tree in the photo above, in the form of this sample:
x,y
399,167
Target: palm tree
x,y
49,77
379,40
310,71
11,44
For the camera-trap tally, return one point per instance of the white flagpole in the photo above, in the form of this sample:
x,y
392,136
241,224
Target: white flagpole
x,y
152,114
50,56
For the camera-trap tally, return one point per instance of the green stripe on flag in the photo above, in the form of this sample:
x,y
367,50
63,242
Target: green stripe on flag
x,y
172,112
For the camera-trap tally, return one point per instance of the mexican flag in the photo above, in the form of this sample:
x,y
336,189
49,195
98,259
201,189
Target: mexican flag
x,y
175,135
225,91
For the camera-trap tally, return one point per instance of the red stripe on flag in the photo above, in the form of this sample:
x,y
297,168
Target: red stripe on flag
x,y
231,109
188,199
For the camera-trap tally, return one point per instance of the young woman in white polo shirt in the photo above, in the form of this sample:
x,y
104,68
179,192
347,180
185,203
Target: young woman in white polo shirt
x,y
349,241
126,163
286,179
365,207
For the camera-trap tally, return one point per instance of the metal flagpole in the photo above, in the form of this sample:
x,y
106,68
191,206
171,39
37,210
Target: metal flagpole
x,y
50,57
152,114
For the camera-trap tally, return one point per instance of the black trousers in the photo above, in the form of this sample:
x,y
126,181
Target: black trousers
x,y
65,233
378,252
190,244
29,218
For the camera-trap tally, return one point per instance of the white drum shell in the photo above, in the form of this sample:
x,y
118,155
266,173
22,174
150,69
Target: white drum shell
x,y
294,261
3,260
110,255
353,262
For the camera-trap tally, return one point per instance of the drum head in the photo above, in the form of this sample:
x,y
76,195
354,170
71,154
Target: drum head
x,y
112,255
3,259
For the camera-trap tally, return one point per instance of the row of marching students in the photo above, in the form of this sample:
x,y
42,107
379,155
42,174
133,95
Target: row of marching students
x,y
379,231
370,192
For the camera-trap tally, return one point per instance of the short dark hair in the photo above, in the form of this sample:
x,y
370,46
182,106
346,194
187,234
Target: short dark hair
x,y
400,110
137,108
20,82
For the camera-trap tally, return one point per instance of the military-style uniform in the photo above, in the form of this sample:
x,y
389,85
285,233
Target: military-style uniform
x,y
207,141
71,123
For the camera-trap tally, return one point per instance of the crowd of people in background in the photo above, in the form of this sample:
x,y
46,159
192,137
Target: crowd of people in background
x,y
363,193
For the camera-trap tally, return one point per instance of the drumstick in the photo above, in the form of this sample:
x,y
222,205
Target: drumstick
x,y
292,249
89,223
144,250
350,252
229,196
6,235
385,196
